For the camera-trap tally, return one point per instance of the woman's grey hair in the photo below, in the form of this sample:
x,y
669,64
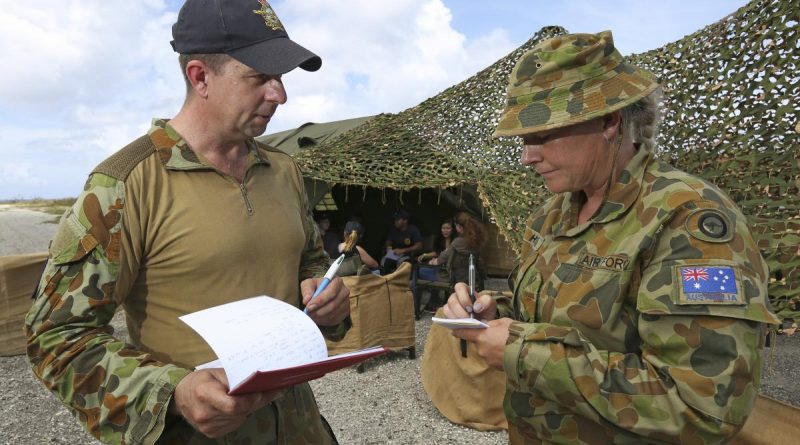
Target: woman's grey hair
x,y
641,119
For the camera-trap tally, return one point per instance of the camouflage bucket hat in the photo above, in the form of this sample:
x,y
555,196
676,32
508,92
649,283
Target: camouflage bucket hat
x,y
570,79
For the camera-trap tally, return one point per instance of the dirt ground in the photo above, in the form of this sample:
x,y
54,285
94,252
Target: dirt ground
x,y
384,405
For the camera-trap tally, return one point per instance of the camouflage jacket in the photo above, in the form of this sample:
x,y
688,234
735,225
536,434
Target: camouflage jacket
x,y
642,325
141,236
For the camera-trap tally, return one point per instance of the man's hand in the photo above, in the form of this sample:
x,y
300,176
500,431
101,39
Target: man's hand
x,y
490,342
460,306
202,399
399,251
331,306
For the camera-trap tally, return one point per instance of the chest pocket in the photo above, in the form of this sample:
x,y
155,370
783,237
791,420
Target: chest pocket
x,y
526,290
591,297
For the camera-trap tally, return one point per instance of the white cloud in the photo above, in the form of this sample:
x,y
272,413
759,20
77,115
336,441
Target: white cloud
x,y
378,56
83,77
79,50
85,80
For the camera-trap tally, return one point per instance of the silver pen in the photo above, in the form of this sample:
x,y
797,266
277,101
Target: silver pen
x,y
471,284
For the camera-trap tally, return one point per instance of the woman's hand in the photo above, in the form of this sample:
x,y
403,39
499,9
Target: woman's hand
x,y
460,306
490,342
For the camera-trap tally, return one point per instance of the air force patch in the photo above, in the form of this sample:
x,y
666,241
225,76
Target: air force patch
x,y
709,285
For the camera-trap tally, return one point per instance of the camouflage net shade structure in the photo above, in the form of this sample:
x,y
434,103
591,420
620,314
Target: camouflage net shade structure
x,y
731,114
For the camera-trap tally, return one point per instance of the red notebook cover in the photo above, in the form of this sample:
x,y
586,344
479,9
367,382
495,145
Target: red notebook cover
x,y
281,378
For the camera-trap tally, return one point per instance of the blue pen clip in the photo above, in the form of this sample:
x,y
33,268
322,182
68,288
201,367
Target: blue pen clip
x,y
329,275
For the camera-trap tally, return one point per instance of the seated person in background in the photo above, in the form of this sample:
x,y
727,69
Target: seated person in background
x,y
470,240
442,241
403,242
356,260
330,240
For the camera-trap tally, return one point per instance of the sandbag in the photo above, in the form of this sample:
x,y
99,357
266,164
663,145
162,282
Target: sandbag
x,y
465,390
469,393
771,422
382,311
19,275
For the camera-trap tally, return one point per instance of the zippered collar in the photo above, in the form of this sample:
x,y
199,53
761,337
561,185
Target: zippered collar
x,y
175,154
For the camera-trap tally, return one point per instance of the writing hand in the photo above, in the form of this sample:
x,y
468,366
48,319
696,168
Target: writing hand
x,y
331,306
489,342
202,399
460,306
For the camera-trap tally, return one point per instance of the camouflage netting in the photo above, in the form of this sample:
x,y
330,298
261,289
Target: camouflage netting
x,y
731,115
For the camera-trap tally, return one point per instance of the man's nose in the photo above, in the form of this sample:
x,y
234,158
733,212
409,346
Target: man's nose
x,y
276,92
531,154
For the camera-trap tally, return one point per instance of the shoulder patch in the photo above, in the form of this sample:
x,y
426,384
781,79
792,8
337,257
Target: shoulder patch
x,y
706,284
120,164
535,240
710,225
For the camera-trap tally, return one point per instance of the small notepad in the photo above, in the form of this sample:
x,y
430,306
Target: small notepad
x,y
460,323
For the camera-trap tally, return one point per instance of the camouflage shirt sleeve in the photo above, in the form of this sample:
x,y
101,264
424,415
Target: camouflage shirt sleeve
x,y
691,372
119,394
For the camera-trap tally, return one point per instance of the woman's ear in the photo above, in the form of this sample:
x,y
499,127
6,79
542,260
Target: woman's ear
x,y
612,125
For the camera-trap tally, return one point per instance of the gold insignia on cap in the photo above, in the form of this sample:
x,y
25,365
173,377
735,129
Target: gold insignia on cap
x,y
270,18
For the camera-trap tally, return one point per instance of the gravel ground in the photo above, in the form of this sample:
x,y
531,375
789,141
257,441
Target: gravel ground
x,y
384,405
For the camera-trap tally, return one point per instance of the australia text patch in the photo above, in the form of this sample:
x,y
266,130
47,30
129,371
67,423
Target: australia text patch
x,y
709,285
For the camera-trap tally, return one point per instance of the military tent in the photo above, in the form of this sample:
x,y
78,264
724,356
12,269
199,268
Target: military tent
x,y
731,115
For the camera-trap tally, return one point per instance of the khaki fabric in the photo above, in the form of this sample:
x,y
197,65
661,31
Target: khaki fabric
x,y
382,311
465,390
178,257
771,422
19,275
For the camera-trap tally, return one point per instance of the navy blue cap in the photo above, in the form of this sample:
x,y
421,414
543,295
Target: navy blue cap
x,y
400,214
247,30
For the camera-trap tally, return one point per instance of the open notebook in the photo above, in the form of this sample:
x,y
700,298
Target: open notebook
x,y
263,344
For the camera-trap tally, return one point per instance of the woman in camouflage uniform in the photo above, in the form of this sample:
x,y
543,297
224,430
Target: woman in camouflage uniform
x,y
639,308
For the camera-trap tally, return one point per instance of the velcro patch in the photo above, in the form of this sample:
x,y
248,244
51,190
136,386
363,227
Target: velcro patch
x,y
701,284
710,225
535,241
609,262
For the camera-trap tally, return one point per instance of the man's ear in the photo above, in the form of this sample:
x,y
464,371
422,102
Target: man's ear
x,y
612,124
197,73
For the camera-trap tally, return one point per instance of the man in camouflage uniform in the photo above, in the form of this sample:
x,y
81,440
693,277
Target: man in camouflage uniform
x,y
194,214
639,308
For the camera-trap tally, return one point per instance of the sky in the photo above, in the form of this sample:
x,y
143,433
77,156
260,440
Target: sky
x,y
85,77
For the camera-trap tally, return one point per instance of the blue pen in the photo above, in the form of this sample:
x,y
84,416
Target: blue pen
x,y
327,279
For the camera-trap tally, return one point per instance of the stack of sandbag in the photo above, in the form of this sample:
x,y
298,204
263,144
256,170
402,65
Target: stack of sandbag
x,y
463,389
382,311
19,275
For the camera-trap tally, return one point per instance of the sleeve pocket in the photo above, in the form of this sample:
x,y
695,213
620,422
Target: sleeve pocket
x,y
686,288
72,241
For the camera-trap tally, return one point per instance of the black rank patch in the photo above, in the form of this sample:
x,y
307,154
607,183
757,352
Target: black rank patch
x,y
710,225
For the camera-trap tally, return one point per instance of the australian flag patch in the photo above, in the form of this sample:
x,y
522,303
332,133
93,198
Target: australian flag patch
x,y
709,285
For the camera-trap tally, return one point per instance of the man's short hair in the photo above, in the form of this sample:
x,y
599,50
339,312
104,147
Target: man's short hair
x,y
214,63
400,214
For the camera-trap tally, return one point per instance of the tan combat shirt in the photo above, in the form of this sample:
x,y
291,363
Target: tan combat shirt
x,y
159,231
